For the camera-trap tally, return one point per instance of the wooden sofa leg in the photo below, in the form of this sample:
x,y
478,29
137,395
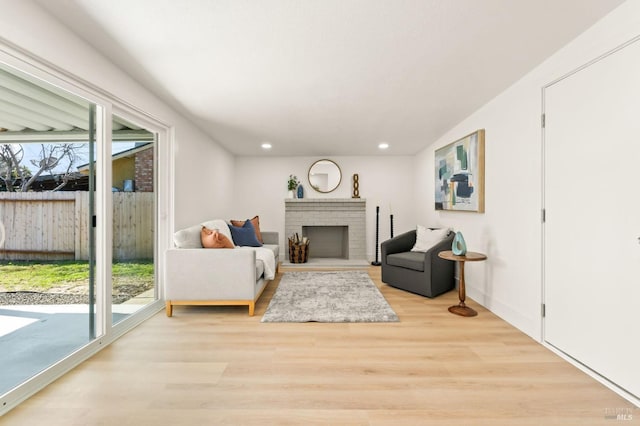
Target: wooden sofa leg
x,y
169,308
252,307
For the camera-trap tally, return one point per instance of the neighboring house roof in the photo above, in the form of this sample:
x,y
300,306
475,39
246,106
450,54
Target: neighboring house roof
x,y
123,154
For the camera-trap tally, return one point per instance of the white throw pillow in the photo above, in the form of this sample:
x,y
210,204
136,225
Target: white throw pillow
x,y
427,238
188,237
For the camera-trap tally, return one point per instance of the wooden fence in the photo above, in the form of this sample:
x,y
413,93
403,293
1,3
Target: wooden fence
x,y
55,225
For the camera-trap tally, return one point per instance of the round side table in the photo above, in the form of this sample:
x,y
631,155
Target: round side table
x,y
471,256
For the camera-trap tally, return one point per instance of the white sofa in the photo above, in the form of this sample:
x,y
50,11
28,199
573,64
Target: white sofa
x,y
205,276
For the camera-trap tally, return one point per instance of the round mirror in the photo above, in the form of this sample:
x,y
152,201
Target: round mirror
x,y
324,176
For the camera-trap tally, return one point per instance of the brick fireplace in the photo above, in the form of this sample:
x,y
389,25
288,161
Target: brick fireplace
x,y
335,226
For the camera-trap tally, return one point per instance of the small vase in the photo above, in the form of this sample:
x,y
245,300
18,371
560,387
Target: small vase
x,y
300,191
291,194
459,246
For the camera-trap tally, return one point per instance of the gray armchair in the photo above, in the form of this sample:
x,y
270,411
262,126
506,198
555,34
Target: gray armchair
x,y
422,273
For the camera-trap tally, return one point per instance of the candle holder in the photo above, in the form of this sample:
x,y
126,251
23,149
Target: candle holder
x,y
356,186
376,262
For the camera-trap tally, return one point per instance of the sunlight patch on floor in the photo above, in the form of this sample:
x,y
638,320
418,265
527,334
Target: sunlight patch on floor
x,y
9,324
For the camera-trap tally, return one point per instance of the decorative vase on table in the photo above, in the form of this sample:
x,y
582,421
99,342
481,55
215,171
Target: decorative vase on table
x,y
459,246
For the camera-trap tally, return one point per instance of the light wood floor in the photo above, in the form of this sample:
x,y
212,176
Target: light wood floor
x,y
217,365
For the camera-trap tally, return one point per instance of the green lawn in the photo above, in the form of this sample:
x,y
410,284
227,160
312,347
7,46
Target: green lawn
x,y
44,276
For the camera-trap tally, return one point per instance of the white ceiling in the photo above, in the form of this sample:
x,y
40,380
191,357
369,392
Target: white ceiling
x,y
327,77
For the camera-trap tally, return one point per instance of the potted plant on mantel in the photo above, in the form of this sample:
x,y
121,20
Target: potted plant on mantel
x,y
292,185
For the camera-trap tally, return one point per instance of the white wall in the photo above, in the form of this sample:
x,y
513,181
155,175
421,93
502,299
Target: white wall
x,y
510,232
385,181
203,170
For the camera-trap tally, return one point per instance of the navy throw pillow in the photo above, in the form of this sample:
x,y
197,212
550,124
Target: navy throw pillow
x,y
245,235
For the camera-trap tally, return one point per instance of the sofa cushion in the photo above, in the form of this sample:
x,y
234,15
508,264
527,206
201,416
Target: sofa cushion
x,y
188,237
427,238
256,225
259,268
245,236
409,259
220,225
212,238
275,248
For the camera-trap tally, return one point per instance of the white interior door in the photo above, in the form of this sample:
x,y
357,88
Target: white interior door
x,y
592,229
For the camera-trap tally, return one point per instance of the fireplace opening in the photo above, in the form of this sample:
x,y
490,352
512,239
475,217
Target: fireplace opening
x,y
327,241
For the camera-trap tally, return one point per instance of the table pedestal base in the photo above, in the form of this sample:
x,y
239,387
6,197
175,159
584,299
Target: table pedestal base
x,y
462,310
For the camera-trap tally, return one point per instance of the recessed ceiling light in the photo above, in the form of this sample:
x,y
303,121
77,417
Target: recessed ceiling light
x,y
266,145
383,145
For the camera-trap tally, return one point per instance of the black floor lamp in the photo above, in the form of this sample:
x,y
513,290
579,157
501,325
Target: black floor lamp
x,y
376,262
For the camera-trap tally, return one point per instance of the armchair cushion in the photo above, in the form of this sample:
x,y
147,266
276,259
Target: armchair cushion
x,y
409,259
427,238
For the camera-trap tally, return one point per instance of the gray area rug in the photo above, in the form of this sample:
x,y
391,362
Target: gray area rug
x,y
336,296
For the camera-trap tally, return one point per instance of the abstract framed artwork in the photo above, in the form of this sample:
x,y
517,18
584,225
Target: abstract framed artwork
x,y
459,169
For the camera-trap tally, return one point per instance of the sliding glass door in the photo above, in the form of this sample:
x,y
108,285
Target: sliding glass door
x,y
134,206
47,211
